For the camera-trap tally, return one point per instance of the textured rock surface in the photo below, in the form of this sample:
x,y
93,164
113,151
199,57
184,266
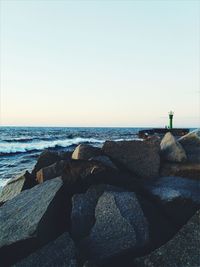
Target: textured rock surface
x,y
85,152
120,225
182,251
172,150
16,185
83,209
105,161
50,172
191,144
140,157
179,197
60,252
45,159
81,168
12,188
30,219
187,170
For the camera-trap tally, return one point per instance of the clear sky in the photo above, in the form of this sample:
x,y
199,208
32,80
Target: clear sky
x,y
100,63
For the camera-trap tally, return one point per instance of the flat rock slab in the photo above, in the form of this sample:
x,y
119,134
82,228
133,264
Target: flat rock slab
x,y
83,209
60,252
32,215
140,157
178,197
171,149
120,225
182,251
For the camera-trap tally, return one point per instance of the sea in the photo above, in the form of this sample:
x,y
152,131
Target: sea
x,y
21,146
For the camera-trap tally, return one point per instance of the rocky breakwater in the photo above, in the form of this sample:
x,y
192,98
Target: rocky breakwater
x,y
109,206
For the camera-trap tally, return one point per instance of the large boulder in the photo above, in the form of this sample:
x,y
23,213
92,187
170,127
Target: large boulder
x,y
83,209
178,197
182,251
85,173
60,252
187,170
105,160
191,145
140,157
50,172
45,159
85,152
16,185
171,150
120,226
79,170
31,219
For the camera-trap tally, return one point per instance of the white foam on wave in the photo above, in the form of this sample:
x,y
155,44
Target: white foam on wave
x,y
16,147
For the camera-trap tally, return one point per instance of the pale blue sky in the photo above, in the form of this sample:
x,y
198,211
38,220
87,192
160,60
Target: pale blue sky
x,y
100,63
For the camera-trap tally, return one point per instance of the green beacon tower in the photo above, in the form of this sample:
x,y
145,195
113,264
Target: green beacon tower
x,y
171,114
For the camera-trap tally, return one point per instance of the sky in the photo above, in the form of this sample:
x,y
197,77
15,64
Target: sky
x,y
100,63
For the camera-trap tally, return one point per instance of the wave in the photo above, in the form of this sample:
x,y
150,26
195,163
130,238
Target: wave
x,y
19,140
17,147
42,138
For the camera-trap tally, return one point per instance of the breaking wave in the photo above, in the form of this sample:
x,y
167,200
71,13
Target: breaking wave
x,y
18,147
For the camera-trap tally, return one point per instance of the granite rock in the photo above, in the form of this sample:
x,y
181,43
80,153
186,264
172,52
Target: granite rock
x,y
60,252
178,197
140,157
50,172
105,160
30,220
172,150
85,152
187,170
83,209
191,145
120,225
182,251
45,159
16,185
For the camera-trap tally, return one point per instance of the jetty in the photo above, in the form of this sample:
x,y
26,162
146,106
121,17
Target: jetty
x,y
177,132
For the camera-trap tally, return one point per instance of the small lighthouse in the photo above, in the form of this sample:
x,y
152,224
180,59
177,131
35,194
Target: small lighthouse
x,y
171,114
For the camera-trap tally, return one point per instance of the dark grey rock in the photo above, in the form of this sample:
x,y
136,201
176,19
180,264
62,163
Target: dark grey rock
x,y
12,188
83,209
89,264
85,152
140,157
191,145
60,252
178,197
45,159
171,149
31,219
182,251
187,170
106,161
120,225
50,172
16,185
83,173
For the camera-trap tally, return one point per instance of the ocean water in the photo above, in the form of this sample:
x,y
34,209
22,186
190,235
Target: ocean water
x,y
21,146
